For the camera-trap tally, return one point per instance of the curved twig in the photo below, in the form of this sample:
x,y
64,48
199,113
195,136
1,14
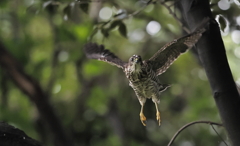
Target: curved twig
x,y
219,135
189,124
171,12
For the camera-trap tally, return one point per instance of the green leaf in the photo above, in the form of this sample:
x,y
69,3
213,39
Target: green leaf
x,y
51,6
122,29
46,4
84,7
114,24
67,11
105,32
93,33
32,9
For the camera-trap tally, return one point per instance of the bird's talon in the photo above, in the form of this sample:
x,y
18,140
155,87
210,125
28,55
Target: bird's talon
x,y
143,119
143,122
158,118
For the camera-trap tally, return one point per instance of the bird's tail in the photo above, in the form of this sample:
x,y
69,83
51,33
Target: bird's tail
x,y
163,87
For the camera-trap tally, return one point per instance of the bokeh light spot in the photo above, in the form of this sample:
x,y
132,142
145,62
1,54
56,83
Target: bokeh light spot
x,y
238,81
238,20
63,56
202,75
236,36
237,52
105,13
153,27
186,143
57,88
224,4
137,35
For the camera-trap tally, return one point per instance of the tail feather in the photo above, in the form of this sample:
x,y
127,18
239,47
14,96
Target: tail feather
x,y
163,87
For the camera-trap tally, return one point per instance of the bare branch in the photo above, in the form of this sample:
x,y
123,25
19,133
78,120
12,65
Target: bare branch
x,y
175,16
189,124
219,135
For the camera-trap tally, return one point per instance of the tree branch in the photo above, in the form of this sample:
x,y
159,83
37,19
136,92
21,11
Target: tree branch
x,y
174,15
189,124
11,136
32,89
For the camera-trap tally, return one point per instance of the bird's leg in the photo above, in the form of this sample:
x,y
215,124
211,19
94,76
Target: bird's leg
x,y
157,114
142,117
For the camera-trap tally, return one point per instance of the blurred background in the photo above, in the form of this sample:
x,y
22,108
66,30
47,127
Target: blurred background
x,y
92,99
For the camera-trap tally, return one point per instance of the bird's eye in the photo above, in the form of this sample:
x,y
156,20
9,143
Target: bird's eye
x,y
132,59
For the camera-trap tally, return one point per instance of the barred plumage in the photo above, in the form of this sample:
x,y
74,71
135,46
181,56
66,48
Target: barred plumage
x,y
142,75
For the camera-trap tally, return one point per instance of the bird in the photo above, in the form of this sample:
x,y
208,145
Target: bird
x,y
142,74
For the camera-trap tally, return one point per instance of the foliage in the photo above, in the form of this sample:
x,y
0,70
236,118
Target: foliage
x,y
93,100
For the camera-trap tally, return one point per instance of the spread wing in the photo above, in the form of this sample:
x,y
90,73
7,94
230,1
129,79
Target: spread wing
x,y
162,60
94,51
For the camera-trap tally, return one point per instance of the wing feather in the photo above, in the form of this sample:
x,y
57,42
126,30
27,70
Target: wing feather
x,y
94,51
162,60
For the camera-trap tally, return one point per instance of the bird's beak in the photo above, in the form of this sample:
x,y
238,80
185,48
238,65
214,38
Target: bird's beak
x,y
137,60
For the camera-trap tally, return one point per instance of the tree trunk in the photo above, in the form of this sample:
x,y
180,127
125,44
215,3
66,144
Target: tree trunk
x,y
211,52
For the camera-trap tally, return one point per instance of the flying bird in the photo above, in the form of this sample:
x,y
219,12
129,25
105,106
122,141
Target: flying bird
x,y
142,75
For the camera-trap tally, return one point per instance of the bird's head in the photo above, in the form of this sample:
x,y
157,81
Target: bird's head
x,y
135,63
